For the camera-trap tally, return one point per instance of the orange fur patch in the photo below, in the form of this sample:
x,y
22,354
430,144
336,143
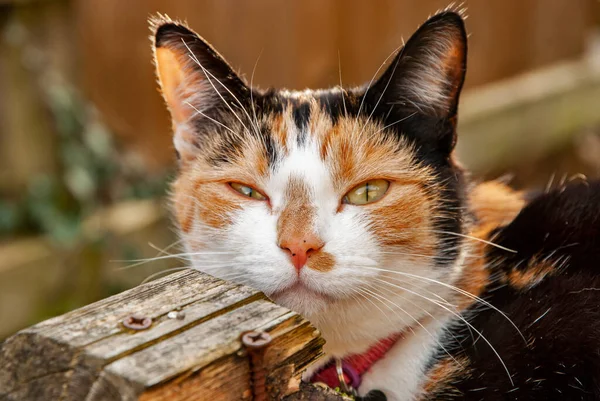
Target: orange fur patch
x,y
183,204
298,215
530,275
178,81
201,193
355,152
321,261
217,203
170,75
260,161
475,275
443,376
279,131
403,218
495,203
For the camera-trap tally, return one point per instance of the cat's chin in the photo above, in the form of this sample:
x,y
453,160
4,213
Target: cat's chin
x,y
302,299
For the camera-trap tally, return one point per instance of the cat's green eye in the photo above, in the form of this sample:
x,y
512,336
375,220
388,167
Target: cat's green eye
x,y
247,191
367,192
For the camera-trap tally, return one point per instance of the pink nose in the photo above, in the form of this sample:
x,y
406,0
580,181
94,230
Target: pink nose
x,y
300,249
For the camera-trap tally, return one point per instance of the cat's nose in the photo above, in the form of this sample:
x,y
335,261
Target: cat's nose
x,y
300,249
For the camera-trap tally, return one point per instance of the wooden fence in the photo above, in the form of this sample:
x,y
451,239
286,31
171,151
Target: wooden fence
x,y
302,43
103,46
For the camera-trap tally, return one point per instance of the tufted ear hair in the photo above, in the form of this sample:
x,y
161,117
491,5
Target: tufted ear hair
x,y
196,82
428,73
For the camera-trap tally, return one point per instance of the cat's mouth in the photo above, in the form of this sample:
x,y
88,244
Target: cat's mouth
x,y
299,290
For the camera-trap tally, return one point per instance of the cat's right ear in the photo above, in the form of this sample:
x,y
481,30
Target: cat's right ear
x,y
196,82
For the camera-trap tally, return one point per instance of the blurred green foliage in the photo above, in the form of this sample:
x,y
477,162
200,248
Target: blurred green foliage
x,y
92,172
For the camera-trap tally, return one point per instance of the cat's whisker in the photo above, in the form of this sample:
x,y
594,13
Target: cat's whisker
x,y
362,102
185,255
362,291
387,84
256,127
418,255
369,294
342,85
415,304
442,299
550,182
417,287
457,315
414,320
395,122
419,295
144,261
163,273
210,118
353,294
252,91
207,73
164,250
466,236
454,288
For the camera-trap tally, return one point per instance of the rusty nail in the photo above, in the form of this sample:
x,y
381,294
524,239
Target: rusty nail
x,y
137,322
255,343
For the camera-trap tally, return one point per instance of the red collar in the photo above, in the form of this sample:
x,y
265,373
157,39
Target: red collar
x,y
356,365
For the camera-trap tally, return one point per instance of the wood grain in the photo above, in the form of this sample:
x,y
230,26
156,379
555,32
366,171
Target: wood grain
x,y
89,355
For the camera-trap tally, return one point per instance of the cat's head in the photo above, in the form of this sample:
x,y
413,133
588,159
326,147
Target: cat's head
x,y
322,199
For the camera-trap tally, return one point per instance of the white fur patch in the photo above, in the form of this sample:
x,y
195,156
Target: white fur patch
x,y
401,372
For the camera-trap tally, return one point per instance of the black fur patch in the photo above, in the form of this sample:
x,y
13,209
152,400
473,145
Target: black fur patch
x,y
373,395
333,103
559,317
561,225
301,114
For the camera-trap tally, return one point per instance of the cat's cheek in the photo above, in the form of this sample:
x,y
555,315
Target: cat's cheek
x,y
251,241
198,203
404,220
322,262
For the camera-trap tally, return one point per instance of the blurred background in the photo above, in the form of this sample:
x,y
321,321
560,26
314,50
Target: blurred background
x,y
85,142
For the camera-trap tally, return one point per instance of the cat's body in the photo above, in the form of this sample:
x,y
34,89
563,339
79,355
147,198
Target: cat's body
x,y
348,207
550,289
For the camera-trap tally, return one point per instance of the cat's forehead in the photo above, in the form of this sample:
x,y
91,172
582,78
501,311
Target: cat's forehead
x,y
320,103
319,137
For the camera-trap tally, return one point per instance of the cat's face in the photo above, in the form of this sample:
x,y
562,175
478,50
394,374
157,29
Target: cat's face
x,y
321,199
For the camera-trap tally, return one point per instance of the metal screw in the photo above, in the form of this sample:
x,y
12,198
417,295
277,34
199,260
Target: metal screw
x,y
255,343
256,339
137,322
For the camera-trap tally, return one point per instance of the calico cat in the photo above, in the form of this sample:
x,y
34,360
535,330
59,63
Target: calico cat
x,y
348,206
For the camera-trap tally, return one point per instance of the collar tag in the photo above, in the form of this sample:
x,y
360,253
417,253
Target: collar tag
x,y
344,370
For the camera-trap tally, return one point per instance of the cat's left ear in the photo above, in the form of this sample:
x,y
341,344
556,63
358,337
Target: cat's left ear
x,y
428,73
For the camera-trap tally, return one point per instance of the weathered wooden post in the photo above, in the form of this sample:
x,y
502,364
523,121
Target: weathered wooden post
x,y
177,338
